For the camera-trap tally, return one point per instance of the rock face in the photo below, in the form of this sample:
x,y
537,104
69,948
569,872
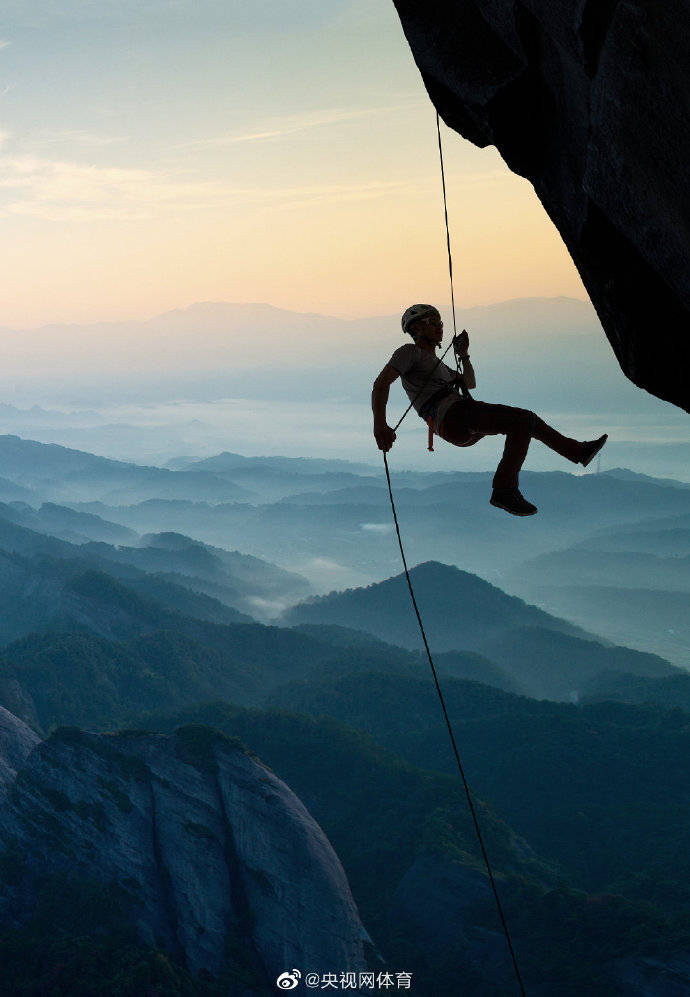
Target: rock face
x,y
216,852
588,99
16,743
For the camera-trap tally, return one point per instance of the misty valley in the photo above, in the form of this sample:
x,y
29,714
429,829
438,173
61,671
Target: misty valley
x,y
222,755
296,695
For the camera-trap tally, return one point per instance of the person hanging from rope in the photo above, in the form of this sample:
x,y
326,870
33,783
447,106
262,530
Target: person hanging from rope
x,y
441,395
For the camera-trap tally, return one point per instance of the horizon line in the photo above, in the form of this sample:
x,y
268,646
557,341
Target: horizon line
x,y
266,304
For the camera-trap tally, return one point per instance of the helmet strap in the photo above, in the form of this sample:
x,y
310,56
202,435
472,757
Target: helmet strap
x,y
426,339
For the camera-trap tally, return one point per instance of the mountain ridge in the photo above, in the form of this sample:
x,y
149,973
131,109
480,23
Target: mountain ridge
x,y
561,655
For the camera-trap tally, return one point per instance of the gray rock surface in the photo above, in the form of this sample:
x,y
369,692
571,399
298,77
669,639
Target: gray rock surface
x,y
16,742
213,848
588,99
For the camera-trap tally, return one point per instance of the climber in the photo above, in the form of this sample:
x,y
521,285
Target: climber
x,y
457,418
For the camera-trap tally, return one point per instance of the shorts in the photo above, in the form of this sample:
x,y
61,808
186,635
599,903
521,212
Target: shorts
x,y
441,410
437,406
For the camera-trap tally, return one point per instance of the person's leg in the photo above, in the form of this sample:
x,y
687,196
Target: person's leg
x,y
518,425
564,445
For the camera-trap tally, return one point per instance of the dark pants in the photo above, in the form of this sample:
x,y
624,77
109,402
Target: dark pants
x,y
466,422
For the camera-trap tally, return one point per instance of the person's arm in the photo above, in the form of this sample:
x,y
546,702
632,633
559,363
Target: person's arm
x,y
384,435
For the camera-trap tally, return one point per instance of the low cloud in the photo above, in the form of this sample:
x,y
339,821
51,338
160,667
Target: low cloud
x,y
267,609
325,575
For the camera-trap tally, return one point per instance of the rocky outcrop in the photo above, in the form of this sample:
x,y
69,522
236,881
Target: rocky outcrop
x,y
16,743
588,100
217,855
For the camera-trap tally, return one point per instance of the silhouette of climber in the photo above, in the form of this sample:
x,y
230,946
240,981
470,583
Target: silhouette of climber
x,y
432,387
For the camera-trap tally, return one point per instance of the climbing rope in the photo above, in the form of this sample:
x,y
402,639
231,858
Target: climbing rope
x,y
452,294
468,794
445,215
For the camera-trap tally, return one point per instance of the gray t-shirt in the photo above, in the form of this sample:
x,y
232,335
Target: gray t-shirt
x,y
415,367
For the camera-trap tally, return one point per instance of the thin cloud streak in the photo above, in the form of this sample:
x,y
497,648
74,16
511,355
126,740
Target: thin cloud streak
x,y
297,123
81,138
59,191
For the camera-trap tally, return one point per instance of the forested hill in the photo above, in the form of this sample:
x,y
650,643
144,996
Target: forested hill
x,y
544,655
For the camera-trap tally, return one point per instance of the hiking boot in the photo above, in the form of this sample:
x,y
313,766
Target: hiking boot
x,y
590,448
512,501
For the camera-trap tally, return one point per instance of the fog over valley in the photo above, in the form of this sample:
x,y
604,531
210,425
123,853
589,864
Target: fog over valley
x,y
291,699
204,629
269,381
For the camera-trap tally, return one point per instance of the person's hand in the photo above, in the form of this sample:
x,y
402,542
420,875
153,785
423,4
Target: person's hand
x,y
462,343
385,437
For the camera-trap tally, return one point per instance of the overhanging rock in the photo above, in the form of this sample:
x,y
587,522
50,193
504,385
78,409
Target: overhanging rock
x,y
589,100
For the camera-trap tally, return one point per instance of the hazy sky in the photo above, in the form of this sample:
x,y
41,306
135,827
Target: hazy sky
x,y
159,152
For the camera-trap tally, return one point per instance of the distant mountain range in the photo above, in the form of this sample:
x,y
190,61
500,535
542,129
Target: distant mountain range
x,y
183,573
521,347
448,520
134,597
630,585
58,473
644,618
314,468
329,523
202,336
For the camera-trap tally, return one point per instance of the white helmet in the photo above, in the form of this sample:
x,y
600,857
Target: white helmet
x,y
415,312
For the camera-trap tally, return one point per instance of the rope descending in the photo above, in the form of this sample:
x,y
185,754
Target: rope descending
x,y
465,784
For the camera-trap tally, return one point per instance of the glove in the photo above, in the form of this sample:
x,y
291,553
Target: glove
x,y
461,343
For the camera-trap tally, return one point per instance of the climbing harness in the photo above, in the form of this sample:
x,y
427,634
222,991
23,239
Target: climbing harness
x,y
430,375
470,802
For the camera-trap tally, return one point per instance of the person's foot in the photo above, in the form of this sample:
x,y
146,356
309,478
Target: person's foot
x,y
590,448
512,501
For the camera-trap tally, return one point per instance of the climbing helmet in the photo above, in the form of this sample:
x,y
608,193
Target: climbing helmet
x,y
415,312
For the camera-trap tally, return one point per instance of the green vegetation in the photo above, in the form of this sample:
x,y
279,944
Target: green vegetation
x,y
80,942
672,692
65,678
380,812
584,808
540,654
600,789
